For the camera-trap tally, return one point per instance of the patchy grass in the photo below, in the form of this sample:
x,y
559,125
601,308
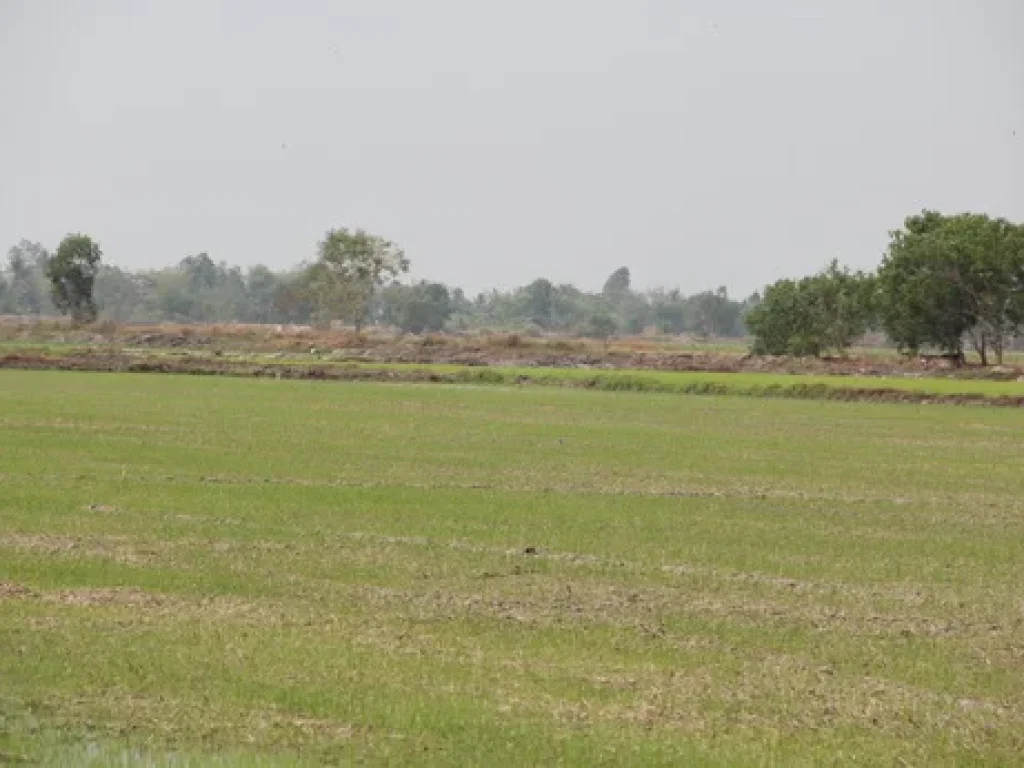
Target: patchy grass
x,y
232,571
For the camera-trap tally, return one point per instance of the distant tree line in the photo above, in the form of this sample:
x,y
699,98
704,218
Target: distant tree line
x,y
355,279
944,282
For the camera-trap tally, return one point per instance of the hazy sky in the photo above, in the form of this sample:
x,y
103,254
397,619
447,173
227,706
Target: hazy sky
x,y
699,142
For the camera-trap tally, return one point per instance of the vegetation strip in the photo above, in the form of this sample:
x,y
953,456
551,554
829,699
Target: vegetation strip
x,y
751,385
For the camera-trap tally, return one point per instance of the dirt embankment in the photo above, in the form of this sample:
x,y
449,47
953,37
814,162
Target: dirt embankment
x,y
474,349
637,353
479,374
716,362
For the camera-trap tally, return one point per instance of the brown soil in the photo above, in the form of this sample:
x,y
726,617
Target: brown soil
x,y
481,349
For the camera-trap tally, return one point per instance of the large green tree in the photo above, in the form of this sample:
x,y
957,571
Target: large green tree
x,y
350,267
808,317
948,279
784,322
846,305
72,271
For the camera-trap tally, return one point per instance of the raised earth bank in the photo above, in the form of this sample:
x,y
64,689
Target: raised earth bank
x,y
809,384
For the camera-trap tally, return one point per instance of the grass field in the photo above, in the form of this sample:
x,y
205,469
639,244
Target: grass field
x,y
233,571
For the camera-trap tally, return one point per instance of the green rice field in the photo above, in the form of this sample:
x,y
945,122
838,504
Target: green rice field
x,y
234,571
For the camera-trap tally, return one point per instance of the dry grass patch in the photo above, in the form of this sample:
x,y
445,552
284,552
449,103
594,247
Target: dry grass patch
x,y
119,549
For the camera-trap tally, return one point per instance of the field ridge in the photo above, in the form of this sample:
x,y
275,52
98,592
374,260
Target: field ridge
x,y
918,391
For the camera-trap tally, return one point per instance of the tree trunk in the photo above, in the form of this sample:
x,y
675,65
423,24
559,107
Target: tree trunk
x,y
960,357
979,340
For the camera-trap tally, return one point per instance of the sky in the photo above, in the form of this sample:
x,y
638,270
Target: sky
x,y
698,142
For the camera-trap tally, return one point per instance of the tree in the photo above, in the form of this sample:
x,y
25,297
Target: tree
x,y
72,272
783,323
570,306
350,268
634,312
945,279
714,314
200,271
991,280
618,283
416,308
826,311
745,308
25,262
539,299
261,285
668,310
846,305
293,299
600,325
120,293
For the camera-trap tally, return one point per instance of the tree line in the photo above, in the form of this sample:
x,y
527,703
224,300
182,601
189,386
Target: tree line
x,y
944,282
355,279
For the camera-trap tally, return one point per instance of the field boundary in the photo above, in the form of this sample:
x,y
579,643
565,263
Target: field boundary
x,y
640,381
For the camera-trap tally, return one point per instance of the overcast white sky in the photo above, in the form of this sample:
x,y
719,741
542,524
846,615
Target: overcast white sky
x,y
699,142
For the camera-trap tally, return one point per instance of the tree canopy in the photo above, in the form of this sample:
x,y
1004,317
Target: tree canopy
x,y
72,272
618,283
947,279
24,291
945,282
351,266
813,315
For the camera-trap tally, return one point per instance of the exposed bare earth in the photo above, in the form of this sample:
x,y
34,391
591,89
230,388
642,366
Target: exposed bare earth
x,y
481,349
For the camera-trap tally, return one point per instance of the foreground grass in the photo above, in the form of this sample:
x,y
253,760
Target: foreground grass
x,y
232,571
